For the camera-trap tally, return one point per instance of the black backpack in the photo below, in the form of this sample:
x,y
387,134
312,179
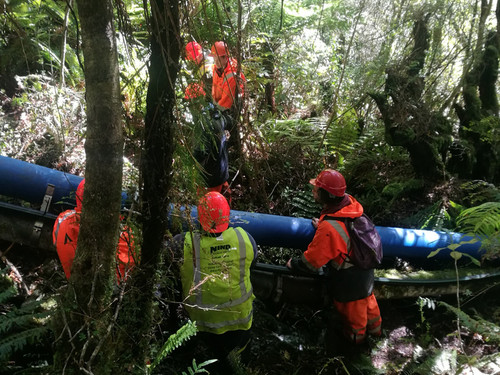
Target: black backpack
x,y
366,246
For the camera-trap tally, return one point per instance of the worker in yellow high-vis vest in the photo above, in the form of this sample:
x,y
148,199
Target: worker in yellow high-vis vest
x,y
215,275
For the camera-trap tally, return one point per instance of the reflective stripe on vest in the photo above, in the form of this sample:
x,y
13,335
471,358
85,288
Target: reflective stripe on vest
x,y
239,79
219,325
216,269
245,294
345,237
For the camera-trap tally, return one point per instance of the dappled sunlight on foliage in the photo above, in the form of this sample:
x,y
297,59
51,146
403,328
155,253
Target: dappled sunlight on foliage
x,y
45,125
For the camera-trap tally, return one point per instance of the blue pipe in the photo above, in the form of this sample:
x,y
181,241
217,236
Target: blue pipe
x,y
297,233
29,182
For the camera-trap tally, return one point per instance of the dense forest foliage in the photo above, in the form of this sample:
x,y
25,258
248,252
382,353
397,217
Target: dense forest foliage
x,y
399,96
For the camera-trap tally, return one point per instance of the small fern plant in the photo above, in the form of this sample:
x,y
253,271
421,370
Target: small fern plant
x,y
198,369
175,340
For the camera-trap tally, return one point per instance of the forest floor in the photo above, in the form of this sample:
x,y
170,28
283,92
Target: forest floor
x,y
420,335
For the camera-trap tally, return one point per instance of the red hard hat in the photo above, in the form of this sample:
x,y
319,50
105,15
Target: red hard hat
x,y
219,49
213,212
79,195
330,180
193,50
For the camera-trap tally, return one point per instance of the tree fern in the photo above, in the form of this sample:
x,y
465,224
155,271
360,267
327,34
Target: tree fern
x,y
301,203
438,216
23,317
478,192
7,294
484,221
304,133
341,139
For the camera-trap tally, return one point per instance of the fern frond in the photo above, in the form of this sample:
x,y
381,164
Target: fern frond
x,y
20,318
481,326
175,340
304,205
483,220
198,369
305,133
478,192
7,294
18,341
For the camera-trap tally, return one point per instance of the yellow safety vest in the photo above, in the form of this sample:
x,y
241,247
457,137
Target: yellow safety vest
x,y
215,279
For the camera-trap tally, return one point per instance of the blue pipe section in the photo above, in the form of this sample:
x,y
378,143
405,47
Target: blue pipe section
x,y
297,233
22,180
29,182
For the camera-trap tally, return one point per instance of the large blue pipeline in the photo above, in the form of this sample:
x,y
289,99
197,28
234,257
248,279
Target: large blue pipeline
x,y
30,182
34,183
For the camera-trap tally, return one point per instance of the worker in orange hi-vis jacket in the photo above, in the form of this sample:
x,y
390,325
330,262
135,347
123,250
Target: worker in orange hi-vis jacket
x,y
227,84
65,238
350,286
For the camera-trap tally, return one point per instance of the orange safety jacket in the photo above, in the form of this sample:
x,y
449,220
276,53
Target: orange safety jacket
x,y
224,85
65,237
329,243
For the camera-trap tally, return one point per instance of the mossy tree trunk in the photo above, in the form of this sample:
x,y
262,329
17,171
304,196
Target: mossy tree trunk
x,y
137,312
408,119
476,153
85,318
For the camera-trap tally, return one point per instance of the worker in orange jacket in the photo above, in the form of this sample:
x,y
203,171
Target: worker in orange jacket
x,y
351,286
227,84
65,238
228,89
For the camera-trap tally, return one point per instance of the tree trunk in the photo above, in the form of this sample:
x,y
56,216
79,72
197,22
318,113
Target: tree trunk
x,y
156,166
63,43
85,317
409,121
268,64
475,155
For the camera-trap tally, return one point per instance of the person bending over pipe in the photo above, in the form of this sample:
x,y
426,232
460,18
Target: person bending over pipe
x,y
65,238
350,286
